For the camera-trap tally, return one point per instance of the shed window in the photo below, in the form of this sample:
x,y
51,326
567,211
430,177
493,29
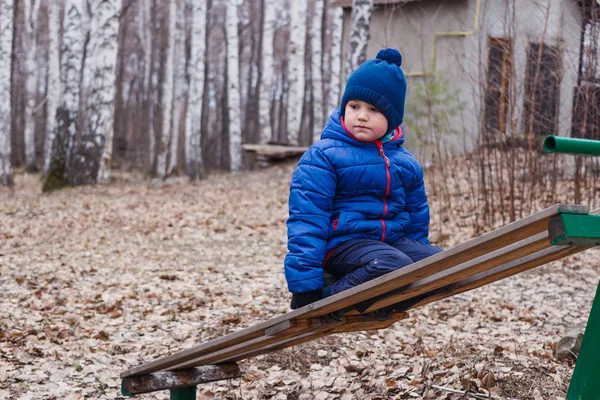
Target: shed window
x,y
498,79
542,81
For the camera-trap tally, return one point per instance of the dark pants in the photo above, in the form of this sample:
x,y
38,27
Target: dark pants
x,y
358,261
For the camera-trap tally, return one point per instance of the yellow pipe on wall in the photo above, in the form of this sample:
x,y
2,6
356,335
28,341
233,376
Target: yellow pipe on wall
x,y
446,34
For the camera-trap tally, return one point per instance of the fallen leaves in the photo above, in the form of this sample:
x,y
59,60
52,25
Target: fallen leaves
x,y
97,280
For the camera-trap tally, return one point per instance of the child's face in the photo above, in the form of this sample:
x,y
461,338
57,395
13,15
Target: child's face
x,y
365,122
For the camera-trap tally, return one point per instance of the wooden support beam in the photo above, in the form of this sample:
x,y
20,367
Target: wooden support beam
x,y
366,322
349,324
302,326
178,379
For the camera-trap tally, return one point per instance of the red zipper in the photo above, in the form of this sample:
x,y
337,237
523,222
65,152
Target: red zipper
x,y
387,187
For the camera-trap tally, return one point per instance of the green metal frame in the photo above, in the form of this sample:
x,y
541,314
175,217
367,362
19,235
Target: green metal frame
x,y
579,230
184,393
557,144
582,230
585,383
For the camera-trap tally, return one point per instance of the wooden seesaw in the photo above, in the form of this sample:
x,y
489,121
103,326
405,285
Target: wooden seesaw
x,y
551,234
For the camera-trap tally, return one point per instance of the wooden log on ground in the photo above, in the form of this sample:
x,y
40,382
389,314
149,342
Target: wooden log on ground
x,y
167,380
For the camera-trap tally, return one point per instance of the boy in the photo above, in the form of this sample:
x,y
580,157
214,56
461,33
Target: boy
x,y
358,207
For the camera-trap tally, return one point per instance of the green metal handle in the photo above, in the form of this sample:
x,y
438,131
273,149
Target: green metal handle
x,y
557,144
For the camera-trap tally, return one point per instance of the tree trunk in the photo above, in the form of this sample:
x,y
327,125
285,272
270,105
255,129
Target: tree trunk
x,y
266,81
196,72
30,10
360,21
233,88
145,32
179,89
53,91
6,39
316,44
337,28
167,95
296,73
91,164
67,113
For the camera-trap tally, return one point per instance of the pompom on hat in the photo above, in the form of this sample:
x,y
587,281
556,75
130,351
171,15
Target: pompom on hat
x,y
381,83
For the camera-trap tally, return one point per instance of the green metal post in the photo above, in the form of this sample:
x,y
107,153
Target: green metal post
x,y
557,144
585,383
184,393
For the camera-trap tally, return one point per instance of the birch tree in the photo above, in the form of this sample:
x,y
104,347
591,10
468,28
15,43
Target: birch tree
x,y
167,95
233,89
70,83
145,33
193,121
6,39
266,82
91,164
360,21
30,13
316,45
296,73
53,90
179,88
335,72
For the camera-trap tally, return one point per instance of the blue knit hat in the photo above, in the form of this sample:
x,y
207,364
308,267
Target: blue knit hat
x,y
381,83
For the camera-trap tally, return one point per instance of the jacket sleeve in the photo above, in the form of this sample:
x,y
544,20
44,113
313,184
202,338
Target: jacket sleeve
x,y
311,195
417,207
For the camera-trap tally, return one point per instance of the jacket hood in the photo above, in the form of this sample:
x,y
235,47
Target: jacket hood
x,y
335,130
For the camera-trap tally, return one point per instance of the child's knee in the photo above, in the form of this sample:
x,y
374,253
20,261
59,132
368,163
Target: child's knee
x,y
389,262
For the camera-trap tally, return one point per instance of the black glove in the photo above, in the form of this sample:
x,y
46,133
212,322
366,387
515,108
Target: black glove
x,y
305,298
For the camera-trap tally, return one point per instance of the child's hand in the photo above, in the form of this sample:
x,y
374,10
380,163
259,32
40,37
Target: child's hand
x,y
305,298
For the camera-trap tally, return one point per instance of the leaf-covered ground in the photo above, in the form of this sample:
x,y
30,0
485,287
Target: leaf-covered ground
x,y
96,280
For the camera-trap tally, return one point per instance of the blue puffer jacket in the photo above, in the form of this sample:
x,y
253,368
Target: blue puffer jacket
x,y
345,189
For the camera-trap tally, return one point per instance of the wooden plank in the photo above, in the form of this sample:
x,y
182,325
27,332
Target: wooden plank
x,y
284,326
177,379
352,324
491,241
366,322
274,151
491,260
504,271
304,338
526,263
302,326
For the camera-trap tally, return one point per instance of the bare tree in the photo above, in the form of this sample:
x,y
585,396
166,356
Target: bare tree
x,y
337,26
145,33
30,11
6,39
266,83
167,95
196,72
53,91
179,89
360,33
70,83
316,44
233,92
91,161
296,70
